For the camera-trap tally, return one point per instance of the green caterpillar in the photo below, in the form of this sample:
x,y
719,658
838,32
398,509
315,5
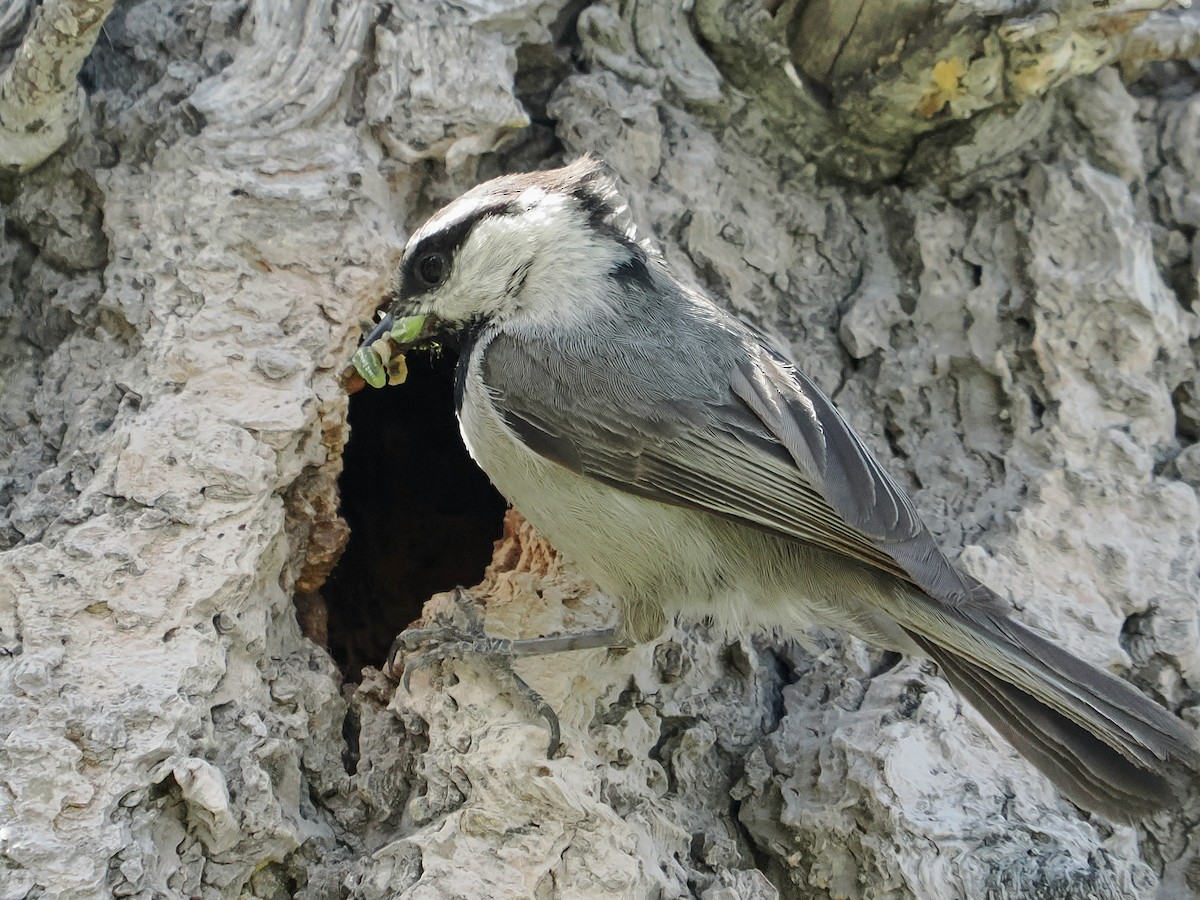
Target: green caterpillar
x,y
368,361
369,365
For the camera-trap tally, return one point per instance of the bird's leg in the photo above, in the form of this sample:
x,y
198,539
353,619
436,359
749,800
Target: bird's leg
x,y
418,648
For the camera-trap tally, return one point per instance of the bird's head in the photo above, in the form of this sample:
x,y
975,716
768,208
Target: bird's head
x,y
522,248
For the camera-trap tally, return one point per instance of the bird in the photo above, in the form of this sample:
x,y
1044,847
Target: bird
x,y
689,469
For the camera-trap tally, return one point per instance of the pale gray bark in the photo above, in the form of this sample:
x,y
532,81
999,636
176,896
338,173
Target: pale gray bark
x,y
959,218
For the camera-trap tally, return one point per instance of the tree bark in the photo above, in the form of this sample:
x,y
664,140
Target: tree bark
x,y
973,224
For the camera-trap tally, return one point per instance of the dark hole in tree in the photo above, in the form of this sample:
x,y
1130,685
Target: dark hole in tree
x,y
422,515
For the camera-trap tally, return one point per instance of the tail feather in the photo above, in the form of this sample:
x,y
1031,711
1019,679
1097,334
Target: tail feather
x,y
1105,745
1087,770
1122,716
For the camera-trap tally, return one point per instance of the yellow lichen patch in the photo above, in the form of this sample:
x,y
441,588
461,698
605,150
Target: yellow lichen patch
x,y
1047,69
945,86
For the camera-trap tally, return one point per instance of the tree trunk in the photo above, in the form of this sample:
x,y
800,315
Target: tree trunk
x,y
973,224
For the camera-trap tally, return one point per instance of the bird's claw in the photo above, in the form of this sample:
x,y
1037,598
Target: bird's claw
x,y
420,648
402,652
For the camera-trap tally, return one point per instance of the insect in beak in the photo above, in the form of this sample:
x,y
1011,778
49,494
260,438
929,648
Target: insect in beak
x,y
380,360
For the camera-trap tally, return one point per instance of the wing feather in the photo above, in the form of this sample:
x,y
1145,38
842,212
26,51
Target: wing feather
x,y
766,447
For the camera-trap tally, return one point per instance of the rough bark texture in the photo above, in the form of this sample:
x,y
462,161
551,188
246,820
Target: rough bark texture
x,y
967,227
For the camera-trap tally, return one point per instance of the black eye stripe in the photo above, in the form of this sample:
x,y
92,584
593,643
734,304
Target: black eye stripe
x,y
445,241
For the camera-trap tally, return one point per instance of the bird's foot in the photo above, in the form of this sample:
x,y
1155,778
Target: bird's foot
x,y
419,648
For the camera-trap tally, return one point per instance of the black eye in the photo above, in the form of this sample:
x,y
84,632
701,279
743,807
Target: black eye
x,y
432,268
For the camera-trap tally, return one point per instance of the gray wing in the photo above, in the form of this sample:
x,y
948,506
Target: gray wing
x,y
763,446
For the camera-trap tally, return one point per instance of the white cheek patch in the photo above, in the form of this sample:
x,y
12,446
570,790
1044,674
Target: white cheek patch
x,y
481,270
544,263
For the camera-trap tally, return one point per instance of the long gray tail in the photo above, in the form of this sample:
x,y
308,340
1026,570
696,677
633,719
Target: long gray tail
x,y
1104,745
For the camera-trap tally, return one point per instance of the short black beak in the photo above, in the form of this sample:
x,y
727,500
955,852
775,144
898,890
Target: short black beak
x,y
381,330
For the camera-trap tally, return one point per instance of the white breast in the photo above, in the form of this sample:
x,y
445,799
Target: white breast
x,y
654,557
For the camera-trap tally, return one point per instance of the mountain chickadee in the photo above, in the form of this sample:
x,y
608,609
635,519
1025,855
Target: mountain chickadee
x,y
689,469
